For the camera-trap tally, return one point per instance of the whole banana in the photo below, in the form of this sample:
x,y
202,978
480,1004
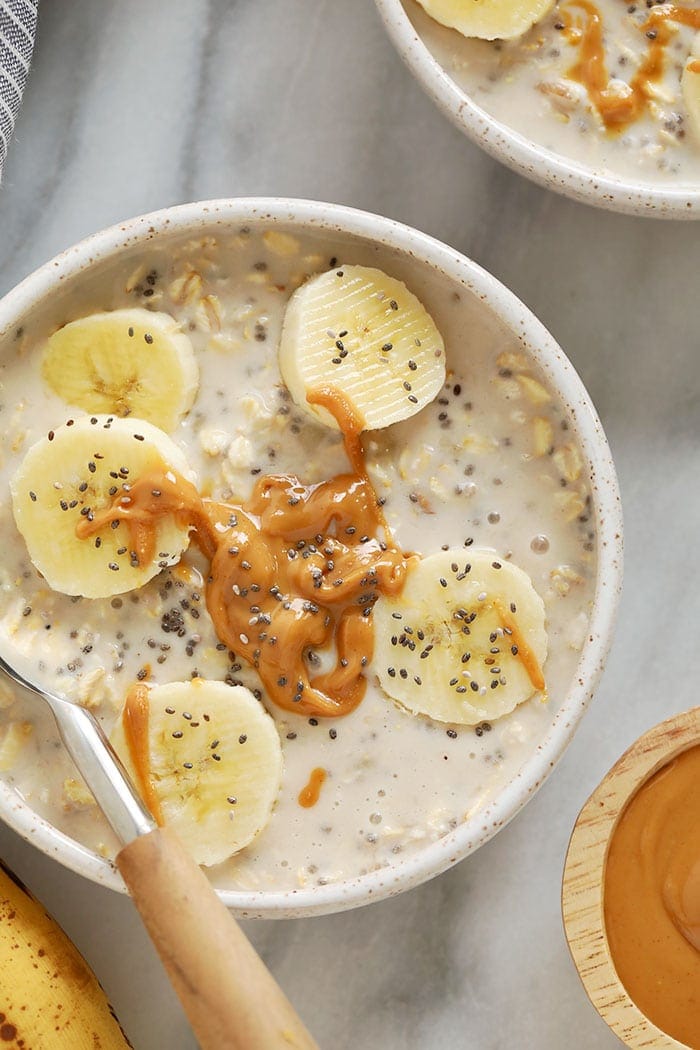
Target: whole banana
x,y
49,996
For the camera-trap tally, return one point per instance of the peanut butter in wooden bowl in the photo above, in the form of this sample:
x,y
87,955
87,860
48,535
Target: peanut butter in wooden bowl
x,y
631,890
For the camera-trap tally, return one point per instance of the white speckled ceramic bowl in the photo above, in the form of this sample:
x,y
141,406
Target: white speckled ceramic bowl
x,y
551,170
419,260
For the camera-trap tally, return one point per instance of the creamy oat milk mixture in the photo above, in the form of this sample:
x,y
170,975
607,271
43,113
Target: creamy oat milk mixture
x,y
597,81
491,462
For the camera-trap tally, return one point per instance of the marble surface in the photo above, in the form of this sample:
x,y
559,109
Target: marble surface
x,y
133,106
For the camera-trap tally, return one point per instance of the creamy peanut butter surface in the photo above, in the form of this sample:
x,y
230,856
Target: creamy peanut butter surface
x,y
652,898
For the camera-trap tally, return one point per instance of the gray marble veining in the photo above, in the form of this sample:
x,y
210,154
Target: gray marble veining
x,y
133,106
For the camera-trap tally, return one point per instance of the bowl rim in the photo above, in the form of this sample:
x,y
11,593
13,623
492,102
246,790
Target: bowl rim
x,y
199,216
543,166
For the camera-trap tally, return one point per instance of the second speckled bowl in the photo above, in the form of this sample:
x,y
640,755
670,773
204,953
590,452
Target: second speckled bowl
x,y
588,183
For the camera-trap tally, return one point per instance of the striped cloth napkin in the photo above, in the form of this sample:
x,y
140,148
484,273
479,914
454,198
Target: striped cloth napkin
x,y
17,31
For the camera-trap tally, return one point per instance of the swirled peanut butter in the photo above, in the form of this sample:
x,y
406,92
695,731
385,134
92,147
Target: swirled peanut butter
x,y
294,569
652,898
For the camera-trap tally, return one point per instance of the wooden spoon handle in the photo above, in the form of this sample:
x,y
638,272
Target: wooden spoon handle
x,y
230,997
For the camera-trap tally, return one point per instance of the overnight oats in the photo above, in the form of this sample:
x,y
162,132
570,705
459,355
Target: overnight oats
x,y
610,85
316,548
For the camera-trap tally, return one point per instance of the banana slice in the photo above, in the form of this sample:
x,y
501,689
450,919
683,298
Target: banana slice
x,y
690,83
362,335
125,362
465,639
76,471
488,19
207,759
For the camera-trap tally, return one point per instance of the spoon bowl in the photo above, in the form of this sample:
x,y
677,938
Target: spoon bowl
x,y
86,743
584,875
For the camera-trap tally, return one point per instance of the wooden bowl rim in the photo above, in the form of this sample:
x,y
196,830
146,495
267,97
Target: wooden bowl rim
x,y
584,869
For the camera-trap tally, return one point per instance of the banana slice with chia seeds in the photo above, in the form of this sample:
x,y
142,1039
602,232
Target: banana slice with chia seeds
x,y
360,334
124,362
690,83
75,471
464,641
488,19
207,759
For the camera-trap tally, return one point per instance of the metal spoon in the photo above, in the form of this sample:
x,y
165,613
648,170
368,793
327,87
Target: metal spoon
x,y
231,999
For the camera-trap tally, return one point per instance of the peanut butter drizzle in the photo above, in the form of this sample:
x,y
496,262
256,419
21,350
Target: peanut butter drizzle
x,y
652,898
309,795
135,722
525,653
169,495
694,65
349,420
312,552
296,568
616,110
351,424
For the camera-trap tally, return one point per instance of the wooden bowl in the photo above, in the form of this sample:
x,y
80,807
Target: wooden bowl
x,y
584,871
